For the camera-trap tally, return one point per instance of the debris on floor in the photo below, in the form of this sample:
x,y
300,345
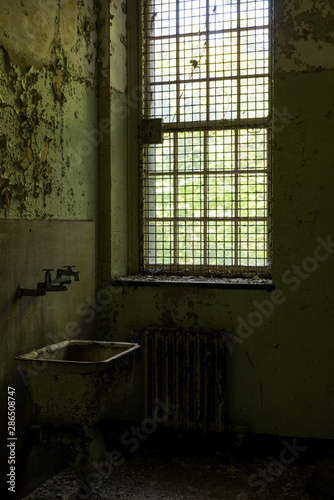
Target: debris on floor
x,y
187,468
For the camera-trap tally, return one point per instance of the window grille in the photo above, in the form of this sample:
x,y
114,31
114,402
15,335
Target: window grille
x,y
206,74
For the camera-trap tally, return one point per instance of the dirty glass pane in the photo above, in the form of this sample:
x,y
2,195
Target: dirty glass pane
x,y
190,243
221,197
221,243
190,196
252,249
192,57
192,16
223,15
160,243
252,196
160,196
160,18
190,151
254,94
221,150
253,149
223,100
192,100
160,157
206,73
164,59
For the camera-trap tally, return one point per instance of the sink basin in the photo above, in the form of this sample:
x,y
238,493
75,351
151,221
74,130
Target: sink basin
x,y
79,381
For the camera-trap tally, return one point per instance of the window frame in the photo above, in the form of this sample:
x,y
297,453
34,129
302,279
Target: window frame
x,y
136,229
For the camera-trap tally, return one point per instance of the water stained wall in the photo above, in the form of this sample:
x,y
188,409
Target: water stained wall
x,y
48,92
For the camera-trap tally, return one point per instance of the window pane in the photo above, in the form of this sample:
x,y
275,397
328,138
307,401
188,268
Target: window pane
x,y
252,196
190,151
254,13
160,157
223,14
252,247
163,102
206,74
254,52
221,150
223,100
163,56
221,243
221,196
160,243
192,101
223,50
190,247
254,97
160,196
192,57
192,16
253,149
161,18
190,196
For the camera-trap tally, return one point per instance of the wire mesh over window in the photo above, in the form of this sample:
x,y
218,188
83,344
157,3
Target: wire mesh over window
x,y
206,75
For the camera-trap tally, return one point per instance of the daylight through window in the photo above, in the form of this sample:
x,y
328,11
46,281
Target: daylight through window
x,y
206,75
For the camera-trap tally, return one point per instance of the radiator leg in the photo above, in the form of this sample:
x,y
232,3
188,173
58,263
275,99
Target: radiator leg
x,y
239,428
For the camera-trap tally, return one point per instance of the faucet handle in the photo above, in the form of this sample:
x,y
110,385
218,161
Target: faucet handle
x,y
47,280
69,268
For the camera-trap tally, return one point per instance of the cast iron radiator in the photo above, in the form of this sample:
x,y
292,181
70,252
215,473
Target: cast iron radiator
x,y
185,368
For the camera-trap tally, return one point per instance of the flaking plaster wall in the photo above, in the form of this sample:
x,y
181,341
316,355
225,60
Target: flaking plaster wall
x,y
48,105
306,40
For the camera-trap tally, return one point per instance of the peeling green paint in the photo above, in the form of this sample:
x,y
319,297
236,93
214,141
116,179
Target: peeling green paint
x,y
306,42
38,99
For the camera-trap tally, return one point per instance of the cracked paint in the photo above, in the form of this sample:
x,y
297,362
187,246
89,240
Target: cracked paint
x,y
47,76
307,41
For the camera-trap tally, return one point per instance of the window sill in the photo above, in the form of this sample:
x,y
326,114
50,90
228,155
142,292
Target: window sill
x,y
194,282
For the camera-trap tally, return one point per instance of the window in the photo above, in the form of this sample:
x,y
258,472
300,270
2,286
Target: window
x,y
206,75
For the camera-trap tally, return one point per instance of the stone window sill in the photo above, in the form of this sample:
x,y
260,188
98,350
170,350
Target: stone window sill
x,y
194,282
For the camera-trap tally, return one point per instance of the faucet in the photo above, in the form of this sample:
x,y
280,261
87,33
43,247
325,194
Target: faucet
x,y
67,272
50,285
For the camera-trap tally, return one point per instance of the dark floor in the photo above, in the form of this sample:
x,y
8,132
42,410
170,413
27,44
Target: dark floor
x,y
174,466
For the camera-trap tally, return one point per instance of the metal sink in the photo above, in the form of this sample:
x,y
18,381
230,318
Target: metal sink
x,y
79,381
